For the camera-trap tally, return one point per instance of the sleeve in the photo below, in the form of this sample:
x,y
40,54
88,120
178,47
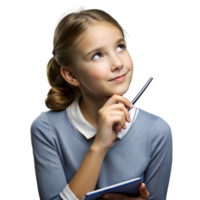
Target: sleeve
x,y
158,172
51,180
67,194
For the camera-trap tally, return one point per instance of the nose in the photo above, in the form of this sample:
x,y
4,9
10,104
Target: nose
x,y
116,63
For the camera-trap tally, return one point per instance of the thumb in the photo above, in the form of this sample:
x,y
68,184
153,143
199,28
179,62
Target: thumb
x,y
143,191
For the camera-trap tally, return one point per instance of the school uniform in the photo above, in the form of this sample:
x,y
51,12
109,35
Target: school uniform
x,y
61,140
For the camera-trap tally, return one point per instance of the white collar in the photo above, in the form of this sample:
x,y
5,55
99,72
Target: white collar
x,y
84,127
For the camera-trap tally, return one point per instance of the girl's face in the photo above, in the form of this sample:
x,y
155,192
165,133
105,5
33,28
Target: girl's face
x,y
101,55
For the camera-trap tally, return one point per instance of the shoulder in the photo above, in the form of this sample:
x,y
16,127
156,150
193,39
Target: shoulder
x,y
160,134
158,128
161,130
46,124
40,130
41,121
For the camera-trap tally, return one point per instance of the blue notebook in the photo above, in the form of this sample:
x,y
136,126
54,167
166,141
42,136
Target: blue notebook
x,y
129,188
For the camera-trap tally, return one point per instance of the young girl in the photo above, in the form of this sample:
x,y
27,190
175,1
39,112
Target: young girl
x,y
87,140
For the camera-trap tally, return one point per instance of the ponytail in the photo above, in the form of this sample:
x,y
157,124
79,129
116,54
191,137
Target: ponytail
x,y
62,93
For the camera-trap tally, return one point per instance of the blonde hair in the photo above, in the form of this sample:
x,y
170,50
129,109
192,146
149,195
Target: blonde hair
x,y
66,35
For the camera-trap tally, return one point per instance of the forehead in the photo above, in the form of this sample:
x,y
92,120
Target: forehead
x,y
102,34
101,30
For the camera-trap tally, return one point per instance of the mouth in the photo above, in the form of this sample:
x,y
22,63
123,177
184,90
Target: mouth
x,y
118,77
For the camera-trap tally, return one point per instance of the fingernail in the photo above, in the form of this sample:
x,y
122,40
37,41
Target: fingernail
x,y
131,105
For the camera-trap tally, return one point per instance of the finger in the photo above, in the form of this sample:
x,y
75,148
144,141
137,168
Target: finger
x,y
143,191
127,114
115,196
117,98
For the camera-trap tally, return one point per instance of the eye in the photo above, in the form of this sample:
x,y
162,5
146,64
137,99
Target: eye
x,y
99,53
122,45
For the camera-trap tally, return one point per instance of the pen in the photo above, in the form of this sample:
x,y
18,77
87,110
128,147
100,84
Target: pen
x,y
140,93
146,85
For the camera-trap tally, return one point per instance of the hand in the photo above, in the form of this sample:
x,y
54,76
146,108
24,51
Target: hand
x,y
144,194
112,118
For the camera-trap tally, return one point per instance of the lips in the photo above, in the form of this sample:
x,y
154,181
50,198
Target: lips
x,y
117,77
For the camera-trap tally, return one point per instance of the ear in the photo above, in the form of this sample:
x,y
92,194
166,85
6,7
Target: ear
x,y
69,76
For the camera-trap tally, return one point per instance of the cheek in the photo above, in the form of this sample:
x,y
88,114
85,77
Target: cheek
x,y
128,62
98,74
133,66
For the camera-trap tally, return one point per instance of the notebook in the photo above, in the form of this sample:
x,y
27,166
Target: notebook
x,y
129,188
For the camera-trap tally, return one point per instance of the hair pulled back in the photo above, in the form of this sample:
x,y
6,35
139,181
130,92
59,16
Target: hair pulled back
x,y
66,35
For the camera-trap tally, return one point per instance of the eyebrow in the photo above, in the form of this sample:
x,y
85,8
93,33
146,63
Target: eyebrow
x,y
100,48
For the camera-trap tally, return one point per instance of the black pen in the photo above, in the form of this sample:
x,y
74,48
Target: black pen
x,y
146,85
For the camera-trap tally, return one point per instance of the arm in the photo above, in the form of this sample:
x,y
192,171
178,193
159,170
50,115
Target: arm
x,y
158,171
86,177
49,172
48,168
